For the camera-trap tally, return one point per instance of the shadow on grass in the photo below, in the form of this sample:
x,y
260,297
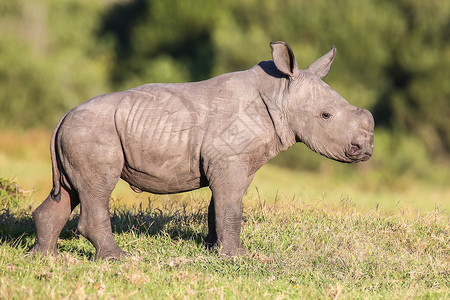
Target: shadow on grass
x,y
17,227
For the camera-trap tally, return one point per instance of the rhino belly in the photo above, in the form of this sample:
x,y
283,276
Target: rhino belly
x,y
162,182
161,144
162,166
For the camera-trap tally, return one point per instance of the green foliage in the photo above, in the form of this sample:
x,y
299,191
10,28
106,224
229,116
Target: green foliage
x,y
50,60
415,96
393,56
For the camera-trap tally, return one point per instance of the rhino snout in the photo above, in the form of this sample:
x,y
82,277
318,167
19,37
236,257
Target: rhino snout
x,y
361,148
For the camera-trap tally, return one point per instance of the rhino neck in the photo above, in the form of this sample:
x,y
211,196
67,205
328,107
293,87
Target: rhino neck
x,y
272,86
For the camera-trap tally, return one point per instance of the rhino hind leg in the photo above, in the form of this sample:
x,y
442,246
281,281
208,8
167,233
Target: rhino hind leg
x,y
94,192
93,169
95,223
50,218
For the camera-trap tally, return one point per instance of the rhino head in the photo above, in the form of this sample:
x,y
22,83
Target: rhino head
x,y
317,115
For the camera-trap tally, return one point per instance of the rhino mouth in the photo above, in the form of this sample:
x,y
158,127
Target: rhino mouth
x,y
355,153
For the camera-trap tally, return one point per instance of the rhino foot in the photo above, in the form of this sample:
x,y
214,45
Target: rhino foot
x,y
39,250
210,242
241,251
225,251
111,255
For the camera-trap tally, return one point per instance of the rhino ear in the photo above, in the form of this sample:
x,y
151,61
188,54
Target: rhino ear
x,y
284,58
321,66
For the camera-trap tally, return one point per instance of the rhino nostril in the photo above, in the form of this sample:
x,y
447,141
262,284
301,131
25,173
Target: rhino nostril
x,y
355,149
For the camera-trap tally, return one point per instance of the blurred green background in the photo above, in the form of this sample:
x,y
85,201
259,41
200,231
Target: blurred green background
x,y
393,58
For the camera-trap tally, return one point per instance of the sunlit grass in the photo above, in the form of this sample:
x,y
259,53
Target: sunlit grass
x,y
321,251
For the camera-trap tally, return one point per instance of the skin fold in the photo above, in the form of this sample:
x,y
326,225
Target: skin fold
x,y
171,138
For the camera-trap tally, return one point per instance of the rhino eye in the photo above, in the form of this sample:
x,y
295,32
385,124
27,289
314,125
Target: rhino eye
x,y
326,115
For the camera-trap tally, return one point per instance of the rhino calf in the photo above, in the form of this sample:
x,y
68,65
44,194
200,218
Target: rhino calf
x,y
170,138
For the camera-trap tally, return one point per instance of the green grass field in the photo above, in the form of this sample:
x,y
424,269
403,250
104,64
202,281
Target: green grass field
x,y
325,234
296,251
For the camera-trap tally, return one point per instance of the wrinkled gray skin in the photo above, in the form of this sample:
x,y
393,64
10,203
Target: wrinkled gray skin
x,y
170,138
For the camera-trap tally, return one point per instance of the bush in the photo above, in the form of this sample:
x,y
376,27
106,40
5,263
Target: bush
x,y
11,195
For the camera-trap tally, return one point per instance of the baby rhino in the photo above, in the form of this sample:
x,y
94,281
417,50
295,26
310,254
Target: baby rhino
x,y
171,138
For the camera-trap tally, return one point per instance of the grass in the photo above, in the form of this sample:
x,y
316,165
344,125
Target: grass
x,y
295,251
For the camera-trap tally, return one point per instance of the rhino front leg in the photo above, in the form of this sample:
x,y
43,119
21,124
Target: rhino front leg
x,y
225,214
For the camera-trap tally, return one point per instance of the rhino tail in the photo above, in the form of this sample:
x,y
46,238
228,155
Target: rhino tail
x,y
56,190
